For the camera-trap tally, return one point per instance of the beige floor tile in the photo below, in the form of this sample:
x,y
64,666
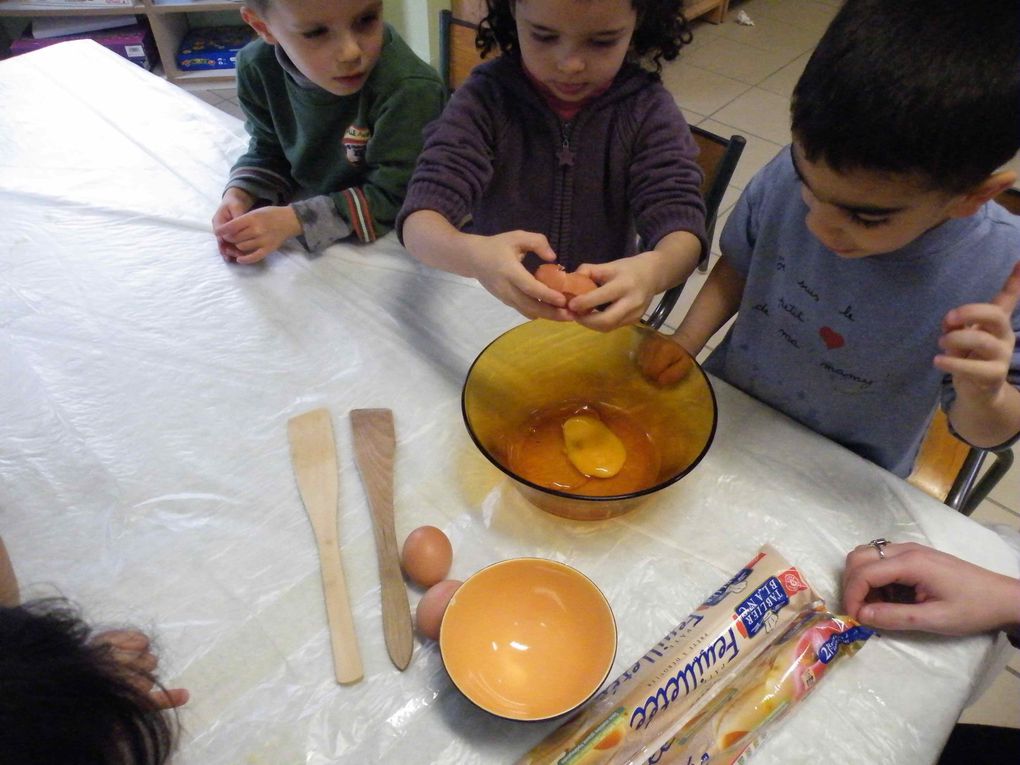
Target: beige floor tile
x,y
783,82
772,34
991,511
760,113
1007,491
702,32
757,151
231,108
804,14
692,117
699,89
740,62
211,97
1000,704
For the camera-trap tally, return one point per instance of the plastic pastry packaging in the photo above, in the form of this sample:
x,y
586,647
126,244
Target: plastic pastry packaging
x,y
655,696
737,719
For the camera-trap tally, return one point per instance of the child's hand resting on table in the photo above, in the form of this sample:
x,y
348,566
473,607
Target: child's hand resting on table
x,y
234,204
247,236
950,595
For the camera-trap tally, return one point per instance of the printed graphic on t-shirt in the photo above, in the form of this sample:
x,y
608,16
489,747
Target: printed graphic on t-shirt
x,y
807,325
355,140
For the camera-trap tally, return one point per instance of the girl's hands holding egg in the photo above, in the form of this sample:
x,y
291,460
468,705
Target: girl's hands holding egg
x,y
569,284
626,287
498,268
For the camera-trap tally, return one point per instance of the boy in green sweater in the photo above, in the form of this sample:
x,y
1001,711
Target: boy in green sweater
x,y
335,103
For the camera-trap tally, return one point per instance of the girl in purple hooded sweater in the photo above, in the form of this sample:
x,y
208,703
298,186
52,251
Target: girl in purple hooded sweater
x,y
564,148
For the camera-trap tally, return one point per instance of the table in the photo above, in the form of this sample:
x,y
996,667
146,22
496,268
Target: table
x,y
144,465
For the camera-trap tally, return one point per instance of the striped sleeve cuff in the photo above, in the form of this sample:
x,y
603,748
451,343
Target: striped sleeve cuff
x,y
262,184
359,214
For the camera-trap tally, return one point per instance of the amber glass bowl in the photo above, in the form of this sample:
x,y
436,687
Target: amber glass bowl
x,y
528,638
558,367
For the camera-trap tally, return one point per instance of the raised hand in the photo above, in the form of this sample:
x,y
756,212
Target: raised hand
x,y
978,342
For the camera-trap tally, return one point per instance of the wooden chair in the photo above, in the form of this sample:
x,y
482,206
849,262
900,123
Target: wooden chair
x,y
457,52
946,467
718,159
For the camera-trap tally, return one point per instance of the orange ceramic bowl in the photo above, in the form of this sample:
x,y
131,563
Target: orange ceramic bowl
x,y
528,638
547,366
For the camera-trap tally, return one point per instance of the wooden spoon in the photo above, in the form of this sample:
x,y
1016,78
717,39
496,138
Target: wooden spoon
x,y
374,444
313,454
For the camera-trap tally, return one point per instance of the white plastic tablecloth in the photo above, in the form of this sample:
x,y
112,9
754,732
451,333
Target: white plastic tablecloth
x,y
145,473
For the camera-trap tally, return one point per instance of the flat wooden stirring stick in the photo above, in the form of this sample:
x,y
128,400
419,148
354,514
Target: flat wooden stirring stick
x,y
313,454
374,445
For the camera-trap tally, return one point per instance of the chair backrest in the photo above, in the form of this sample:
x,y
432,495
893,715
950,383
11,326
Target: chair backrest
x,y
940,459
457,52
718,159
946,467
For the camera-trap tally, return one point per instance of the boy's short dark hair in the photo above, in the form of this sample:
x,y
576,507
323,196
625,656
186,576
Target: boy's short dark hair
x,y
929,88
65,700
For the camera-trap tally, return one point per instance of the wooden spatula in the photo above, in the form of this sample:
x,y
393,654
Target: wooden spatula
x,y
374,444
313,454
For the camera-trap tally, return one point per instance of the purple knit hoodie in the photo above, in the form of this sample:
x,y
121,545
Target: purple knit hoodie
x,y
499,159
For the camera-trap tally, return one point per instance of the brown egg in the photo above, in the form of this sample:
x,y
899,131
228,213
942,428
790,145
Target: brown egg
x,y
428,616
426,556
570,284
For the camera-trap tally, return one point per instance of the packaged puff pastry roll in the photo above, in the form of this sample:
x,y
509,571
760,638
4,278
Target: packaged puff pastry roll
x,y
740,715
655,695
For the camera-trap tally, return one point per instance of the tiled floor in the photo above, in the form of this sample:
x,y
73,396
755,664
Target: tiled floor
x,y
738,79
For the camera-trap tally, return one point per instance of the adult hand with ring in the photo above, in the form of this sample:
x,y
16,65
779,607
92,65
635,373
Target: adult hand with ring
x,y
949,596
878,544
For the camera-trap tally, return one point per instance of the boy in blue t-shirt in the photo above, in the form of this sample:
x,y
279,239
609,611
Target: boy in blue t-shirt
x,y
870,270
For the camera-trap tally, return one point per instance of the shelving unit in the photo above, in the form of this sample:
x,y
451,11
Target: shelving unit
x,y
169,23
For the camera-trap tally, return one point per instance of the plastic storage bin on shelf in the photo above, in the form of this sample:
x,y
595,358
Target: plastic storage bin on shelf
x,y
206,48
134,42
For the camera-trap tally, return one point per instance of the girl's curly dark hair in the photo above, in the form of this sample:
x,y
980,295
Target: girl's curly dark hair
x,y
662,30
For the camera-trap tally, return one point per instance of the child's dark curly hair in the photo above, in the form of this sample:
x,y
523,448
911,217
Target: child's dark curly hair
x,y
66,700
662,30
